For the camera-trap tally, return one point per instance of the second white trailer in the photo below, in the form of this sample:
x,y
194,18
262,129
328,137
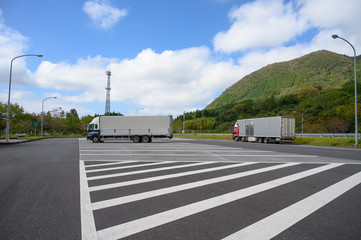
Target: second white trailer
x,y
270,129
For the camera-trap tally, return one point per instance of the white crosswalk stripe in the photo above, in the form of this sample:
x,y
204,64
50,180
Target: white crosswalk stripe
x,y
156,179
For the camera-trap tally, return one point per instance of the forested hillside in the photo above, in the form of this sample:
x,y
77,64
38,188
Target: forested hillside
x,y
319,86
321,69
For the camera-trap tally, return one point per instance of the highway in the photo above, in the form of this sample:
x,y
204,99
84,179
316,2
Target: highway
x,y
178,189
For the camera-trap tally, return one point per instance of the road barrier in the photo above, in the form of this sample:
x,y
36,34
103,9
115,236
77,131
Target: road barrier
x,y
332,135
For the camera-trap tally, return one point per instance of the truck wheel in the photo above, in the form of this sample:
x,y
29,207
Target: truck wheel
x,y
146,139
236,139
136,139
95,139
265,140
260,140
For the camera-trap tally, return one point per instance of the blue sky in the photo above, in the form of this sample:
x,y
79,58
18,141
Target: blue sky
x,y
166,56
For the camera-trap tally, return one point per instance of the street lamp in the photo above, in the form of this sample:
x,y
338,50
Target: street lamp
x,y
42,113
8,111
138,110
354,51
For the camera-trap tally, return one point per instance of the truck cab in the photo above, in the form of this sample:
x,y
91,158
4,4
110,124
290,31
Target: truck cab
x,y
93,129
235,133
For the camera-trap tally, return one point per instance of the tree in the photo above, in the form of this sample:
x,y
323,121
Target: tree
x,y
307,92
73,122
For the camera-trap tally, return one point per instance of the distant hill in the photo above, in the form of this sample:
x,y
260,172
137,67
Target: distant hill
x,y
322,69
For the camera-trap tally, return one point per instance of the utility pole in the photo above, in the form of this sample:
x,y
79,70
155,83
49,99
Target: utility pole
x,y
184,122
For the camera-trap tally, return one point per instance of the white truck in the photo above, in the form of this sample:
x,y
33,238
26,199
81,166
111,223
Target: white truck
x,y
135,128
265,130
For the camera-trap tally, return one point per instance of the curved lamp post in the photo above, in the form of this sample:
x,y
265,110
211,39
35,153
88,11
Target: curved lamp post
x,y
138,110
42,113
354,51
8,111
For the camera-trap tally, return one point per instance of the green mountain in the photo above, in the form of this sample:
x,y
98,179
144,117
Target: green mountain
x,y
322,70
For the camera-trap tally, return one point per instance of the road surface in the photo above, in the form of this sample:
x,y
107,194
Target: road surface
x,y
178,189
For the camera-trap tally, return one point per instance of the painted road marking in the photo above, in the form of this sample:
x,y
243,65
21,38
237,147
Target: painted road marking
x,y
163,191
285,217
147,170
163,177
88,230
273,225
142,224
125,167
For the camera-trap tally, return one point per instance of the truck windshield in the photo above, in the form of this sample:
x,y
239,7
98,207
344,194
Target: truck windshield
x,y
91,127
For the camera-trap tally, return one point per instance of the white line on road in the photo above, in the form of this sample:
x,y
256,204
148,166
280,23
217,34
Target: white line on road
x,y
182,187
278,222
107,164
190,147
125,167
147,170
142,224
175,175
199,155
181,150
88,230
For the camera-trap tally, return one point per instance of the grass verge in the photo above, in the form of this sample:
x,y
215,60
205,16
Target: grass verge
x,y
62,136
333,142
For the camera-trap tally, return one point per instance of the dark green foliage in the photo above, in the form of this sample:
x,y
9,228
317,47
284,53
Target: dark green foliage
x,y
321,70
329,110
319,85
56,121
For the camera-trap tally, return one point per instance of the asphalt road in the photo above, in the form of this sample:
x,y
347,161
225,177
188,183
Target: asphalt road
x,y
181,189
201,189
39,190
324,151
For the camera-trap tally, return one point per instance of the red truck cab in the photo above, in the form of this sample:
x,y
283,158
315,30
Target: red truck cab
x,y
235,133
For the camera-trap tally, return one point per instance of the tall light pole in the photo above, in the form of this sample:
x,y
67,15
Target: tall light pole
x,y
354,59
184,122
42,113
138,110
8,111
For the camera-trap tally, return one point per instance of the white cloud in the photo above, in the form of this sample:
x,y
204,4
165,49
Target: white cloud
x,y
260,24
103,14
164,82
85,74
172,81
12,44
331,13
271,24
340,17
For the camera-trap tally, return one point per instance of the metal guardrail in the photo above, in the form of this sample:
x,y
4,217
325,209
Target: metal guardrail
x,y
206,134
333,135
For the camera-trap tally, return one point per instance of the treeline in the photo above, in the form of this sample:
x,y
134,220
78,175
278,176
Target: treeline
x,y
327,111
55,122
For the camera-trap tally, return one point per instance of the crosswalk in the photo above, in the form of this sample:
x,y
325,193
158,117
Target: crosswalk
x,y
141,191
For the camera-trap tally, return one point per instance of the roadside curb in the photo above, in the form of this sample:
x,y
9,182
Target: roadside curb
x,y
19,141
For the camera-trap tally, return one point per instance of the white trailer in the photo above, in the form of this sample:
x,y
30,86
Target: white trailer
x,y
265,130
136,128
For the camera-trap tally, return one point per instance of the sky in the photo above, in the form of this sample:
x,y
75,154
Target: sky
x,y
165,56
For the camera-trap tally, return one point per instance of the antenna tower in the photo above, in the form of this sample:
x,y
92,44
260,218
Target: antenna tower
x,y
107,102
